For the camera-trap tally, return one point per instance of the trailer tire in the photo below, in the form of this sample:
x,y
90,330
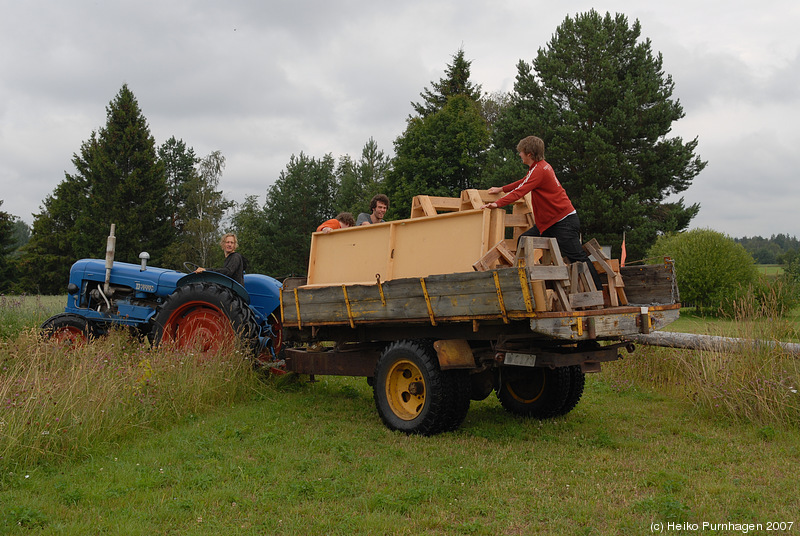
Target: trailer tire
x,y
458,390
534,391
203,316
68,329
411,392
577,381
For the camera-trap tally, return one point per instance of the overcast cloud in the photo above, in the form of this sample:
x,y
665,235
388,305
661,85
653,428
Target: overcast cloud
x,y
261,81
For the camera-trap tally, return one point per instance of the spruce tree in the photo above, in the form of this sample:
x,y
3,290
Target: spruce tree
x,y
179,168
443,148
455,82
126,184
118,180
597,95
359,181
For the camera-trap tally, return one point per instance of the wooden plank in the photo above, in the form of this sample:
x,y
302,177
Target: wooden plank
x,y
617,324
499,254
517,220
549,273
356,363
470,200
447,204
579,300
561,296
422,206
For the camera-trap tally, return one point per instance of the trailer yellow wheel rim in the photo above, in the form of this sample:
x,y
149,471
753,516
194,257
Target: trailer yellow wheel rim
x,y
528,389
405,389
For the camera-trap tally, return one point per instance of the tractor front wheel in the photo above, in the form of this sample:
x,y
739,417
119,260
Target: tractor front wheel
x,y
68,329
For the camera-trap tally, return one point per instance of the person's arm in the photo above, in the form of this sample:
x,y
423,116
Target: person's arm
x,y
518,189
497,190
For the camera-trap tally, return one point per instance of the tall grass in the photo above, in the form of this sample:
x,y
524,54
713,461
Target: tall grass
x,y
61,403
755,383
20,312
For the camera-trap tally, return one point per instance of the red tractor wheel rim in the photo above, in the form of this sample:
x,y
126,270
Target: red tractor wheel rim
x,y
198,325
70,335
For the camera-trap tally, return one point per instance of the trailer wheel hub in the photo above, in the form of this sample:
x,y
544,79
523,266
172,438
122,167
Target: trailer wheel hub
x,y
416,388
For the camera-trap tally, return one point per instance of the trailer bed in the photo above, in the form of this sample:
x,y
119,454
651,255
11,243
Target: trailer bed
x,y
500,296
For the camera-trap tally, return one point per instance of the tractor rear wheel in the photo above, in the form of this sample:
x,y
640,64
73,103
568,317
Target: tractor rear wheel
x,y
206,318
534,391
68,329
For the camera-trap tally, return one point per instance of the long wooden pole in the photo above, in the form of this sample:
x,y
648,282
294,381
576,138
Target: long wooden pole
x,y
693,341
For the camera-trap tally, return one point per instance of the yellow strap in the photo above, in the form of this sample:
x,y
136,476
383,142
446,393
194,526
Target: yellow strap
x,y
380,289
427,301
526,291
500,297
347,303
297,308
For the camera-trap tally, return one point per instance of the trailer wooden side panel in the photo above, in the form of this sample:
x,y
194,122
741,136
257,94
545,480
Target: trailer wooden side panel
x,y
462,295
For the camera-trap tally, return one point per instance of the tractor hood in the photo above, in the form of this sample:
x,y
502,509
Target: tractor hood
x,y
159,281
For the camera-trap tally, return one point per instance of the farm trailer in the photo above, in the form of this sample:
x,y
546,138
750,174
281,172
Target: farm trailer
x,y
443,308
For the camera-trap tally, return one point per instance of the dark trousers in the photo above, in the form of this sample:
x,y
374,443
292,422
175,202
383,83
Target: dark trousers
x,y
567,233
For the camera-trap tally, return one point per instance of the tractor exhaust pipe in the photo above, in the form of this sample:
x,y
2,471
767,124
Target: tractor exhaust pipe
x,y
111,244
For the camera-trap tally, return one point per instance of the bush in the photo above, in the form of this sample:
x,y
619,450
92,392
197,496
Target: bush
x,y
709,266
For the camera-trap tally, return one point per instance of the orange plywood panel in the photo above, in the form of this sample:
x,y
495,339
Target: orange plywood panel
x,y
353,255
441,244
405,248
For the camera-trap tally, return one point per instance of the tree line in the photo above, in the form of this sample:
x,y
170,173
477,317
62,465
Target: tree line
x,y
777,249
596,94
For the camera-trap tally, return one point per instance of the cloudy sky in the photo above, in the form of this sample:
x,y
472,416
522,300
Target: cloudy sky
x,y
262,80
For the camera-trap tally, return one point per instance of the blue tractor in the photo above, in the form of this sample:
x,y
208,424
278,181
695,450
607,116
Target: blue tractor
x,y
197,310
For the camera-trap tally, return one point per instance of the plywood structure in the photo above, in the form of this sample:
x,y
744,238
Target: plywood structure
x,y
415,247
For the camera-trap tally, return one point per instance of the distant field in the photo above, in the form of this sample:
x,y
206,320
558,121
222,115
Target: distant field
x,y
772,270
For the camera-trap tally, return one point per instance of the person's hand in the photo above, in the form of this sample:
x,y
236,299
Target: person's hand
x,y
496,190
326,230
489,205
199,269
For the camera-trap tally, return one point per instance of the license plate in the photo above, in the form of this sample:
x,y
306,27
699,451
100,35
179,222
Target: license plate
x,y
523,360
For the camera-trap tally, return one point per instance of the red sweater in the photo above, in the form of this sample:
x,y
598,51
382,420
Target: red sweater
x,y
550,202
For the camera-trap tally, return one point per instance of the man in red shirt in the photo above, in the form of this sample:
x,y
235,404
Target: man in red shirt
x,y
553,212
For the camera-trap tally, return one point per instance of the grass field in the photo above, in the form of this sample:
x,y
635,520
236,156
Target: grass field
x,y
225,451
314,459
771,270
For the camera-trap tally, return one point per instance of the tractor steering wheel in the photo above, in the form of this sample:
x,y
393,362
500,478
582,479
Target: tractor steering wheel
x,y
190,267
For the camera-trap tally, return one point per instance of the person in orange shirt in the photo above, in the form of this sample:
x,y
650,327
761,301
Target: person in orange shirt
x,y
341,221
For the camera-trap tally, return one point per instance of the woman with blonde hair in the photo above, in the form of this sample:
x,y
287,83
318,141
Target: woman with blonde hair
x,y
234,262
